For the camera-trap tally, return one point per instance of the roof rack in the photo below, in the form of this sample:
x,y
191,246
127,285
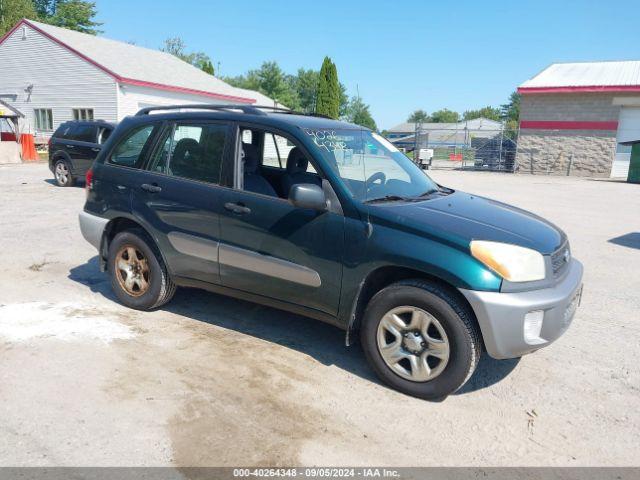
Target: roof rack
x,y
244,108
250,109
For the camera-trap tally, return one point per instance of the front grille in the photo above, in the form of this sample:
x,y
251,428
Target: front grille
x,y
560,259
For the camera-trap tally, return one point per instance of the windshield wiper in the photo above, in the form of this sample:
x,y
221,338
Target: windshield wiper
x,y
386,198
429,192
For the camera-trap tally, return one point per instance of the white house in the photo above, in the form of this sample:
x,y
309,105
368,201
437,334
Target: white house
x,y
52,75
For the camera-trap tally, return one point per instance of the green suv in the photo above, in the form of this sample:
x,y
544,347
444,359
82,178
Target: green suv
x,y
329,220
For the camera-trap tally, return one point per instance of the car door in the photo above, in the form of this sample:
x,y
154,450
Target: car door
x,y
81,145
273,249
178,196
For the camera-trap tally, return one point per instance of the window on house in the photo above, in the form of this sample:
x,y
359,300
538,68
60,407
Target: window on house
x,y
83,113
43,119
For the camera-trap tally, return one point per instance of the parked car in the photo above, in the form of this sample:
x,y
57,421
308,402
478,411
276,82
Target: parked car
x,y
329,220
74,146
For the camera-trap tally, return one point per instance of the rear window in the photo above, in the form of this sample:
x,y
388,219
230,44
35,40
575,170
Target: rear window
x,y
130,151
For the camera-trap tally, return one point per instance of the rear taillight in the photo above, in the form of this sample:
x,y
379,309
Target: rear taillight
x,y
88,181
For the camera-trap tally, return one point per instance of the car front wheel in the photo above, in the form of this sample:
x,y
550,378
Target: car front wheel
x,y
139,277
420,339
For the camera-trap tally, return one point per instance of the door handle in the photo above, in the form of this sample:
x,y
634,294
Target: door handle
x,y
151,188
70,146
95,149
237,208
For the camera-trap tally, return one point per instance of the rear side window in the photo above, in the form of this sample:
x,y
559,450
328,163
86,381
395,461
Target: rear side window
x,y
192,151
129,152
83,133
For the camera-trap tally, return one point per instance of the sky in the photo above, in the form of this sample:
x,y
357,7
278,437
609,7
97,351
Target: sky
x,y
399,55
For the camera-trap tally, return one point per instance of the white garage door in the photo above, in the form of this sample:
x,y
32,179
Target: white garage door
x,y
628,129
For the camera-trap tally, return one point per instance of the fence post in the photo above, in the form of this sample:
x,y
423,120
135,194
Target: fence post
x,y
501,142
570,165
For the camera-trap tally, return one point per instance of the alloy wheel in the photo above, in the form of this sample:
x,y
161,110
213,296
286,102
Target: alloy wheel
x,y
132,270
413,343
62,173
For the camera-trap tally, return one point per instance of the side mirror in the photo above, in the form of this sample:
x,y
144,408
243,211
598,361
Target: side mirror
x,y
308,195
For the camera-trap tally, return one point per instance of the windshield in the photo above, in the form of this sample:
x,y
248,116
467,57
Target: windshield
x,y
370,166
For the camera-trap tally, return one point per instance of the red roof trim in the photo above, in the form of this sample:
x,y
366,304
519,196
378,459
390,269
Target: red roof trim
x,y
585,89
554,125
129,81
172,88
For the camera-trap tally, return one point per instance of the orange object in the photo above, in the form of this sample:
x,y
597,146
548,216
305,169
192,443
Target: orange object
x,y
29,153
455,157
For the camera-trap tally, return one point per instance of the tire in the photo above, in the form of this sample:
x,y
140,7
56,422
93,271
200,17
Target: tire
x,y
450,348
146,283
62,173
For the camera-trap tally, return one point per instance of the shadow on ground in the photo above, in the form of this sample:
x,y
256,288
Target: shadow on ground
x,y
323,342
631,240
78,183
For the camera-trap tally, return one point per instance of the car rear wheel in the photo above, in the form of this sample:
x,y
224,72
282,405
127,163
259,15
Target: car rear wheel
x,y
420,339
139,277
62,174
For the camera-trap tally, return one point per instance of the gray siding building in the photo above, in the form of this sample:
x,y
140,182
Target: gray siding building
x,y
574,116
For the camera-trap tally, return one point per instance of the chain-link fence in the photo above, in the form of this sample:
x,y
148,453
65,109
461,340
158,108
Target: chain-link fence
x,y
454,148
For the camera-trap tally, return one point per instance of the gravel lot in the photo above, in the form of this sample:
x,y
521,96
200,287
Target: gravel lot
x,y
213,381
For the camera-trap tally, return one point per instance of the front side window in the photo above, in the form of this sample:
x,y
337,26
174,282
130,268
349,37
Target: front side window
x,y
82,113
370,166
129,152
193,151
43,119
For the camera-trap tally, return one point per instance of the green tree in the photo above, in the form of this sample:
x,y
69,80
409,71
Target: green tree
x,y
358,113
250,81
328,98
176,47
344,101
419,116
71,14
273,83
12,11
305,84
445,116
207,67
270,80
511,109
491,113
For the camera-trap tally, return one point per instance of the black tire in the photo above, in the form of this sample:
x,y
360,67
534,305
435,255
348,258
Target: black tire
x,y
160,286
63,181
454,316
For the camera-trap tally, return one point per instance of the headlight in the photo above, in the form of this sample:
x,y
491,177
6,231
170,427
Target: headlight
x,y
513,263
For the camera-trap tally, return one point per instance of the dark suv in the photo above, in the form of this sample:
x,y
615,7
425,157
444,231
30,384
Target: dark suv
x,y
329,220
74,146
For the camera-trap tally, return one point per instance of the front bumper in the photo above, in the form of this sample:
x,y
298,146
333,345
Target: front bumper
x,y
502,315
92,228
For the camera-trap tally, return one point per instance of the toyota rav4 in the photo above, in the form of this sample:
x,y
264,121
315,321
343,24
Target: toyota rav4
x,y
328,220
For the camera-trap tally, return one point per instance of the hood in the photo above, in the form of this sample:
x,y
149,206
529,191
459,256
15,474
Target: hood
x,y
461,217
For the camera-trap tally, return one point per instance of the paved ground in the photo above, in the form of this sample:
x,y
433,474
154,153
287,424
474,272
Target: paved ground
x,y
214,381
